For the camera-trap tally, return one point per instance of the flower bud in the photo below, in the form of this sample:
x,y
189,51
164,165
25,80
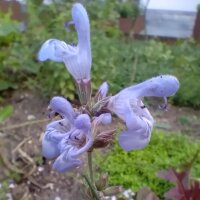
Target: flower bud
x,y
113,190
106,118
102,92
101,184
104,138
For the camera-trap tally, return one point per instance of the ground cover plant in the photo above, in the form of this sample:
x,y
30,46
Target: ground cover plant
x,y
165,150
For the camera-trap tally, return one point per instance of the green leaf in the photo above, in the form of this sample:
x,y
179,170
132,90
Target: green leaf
x,y
4,85
5,112
7,25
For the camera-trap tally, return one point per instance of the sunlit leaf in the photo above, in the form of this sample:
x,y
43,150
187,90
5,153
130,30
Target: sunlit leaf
x,y
4,85
5,113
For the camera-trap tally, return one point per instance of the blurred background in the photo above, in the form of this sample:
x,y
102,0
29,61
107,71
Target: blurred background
x,y
132,40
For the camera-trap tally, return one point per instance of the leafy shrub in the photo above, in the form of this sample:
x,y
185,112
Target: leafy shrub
x,y
46,22
118,60
128,8
186,66
9,32
138,168
21,59
181,59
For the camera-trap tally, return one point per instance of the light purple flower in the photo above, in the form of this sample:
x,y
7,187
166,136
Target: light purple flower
x,y
78,58
57,130
54,133
77,141
127,105
68,138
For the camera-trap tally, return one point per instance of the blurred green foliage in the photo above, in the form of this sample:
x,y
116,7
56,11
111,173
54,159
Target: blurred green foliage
x,y
9,33
181,59
5,113
138,168
128,8
119,61
4,189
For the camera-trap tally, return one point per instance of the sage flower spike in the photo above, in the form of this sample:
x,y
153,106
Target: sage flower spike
x,y
77,59
127,105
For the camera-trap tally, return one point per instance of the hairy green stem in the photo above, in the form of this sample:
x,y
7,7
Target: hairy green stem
x,y
90,166
92,188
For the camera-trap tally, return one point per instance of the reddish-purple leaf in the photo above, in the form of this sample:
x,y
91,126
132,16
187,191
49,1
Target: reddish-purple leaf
x,y
183,190
181,179
194,192
167,175
174,193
